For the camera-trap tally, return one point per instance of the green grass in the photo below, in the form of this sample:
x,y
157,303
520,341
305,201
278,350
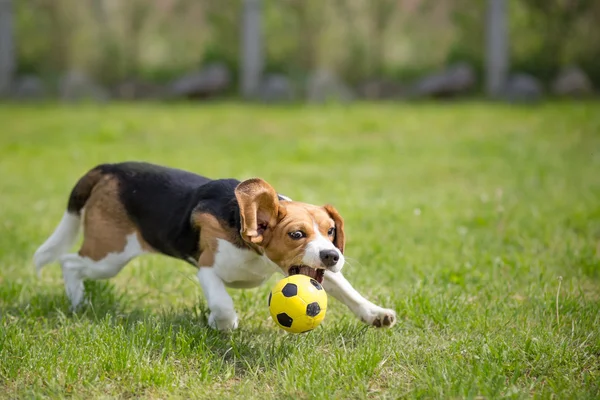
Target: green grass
x,y
479,224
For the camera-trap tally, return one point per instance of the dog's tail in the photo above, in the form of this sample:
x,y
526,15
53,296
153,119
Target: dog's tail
x,y
65,234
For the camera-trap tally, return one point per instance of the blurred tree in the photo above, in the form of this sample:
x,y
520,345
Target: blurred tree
x,y
61,23
554,24
136,12
588,51
119,44
309,16
354,64
222,43
252,55
496,47
107,42
158,40
381,14
469,45
7,49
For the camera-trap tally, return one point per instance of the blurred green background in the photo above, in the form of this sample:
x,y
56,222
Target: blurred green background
x,y
157,40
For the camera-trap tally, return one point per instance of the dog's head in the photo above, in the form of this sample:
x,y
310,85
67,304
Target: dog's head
x,y
298,237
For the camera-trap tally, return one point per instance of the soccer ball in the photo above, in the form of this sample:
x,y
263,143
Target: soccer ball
x,y
298,303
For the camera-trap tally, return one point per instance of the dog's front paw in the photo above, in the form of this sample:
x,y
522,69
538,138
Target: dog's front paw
x,y
223,322
378,316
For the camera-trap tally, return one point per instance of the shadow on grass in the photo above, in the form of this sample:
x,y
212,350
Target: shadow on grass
x,y
161,332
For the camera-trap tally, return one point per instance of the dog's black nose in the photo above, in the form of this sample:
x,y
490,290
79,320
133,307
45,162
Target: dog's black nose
x,y
329,257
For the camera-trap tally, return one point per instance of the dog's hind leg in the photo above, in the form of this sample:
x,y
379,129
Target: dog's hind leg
x,y
65,234
110,241
77,267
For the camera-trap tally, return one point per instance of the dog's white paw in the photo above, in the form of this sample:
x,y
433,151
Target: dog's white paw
x,y
223,322
73,282
378,316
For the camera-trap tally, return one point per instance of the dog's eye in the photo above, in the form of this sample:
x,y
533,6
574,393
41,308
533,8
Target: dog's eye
x,y
297,235
331,231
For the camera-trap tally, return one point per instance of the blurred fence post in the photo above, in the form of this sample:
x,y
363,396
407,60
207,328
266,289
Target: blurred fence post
x,y
496,47
7,50
252,48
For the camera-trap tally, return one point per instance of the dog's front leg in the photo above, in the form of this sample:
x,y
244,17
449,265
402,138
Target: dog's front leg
x,y
338,286
222,314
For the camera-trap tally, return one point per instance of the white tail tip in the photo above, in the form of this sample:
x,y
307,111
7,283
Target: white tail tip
x,y
59,242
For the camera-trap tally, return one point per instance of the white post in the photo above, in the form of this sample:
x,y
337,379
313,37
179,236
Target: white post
x,y
7,51
496,47
252,48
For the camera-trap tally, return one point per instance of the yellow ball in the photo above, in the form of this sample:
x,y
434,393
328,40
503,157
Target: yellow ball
x,y
298,303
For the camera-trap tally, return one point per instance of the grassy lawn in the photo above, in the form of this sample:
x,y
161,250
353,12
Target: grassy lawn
x,y
479,224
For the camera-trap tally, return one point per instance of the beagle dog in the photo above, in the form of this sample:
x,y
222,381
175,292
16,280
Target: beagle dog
x,y
237,234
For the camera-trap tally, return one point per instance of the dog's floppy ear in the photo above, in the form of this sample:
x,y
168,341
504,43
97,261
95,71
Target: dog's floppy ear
x,y
259,209
339,240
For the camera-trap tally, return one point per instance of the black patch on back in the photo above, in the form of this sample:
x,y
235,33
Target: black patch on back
x,y
161,200
218,198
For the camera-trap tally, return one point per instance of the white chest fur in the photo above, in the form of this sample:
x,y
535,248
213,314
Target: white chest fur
x,y
241,268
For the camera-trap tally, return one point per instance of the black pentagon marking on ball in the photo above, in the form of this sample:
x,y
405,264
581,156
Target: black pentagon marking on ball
x,y
290,290
316,284
313,309
269,303
284,320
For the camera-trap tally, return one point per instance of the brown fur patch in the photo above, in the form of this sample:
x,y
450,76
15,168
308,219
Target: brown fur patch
x,y
106,224
339,240
210,231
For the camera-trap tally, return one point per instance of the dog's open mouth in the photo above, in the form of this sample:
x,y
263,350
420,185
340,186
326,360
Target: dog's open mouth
x,y
316,274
